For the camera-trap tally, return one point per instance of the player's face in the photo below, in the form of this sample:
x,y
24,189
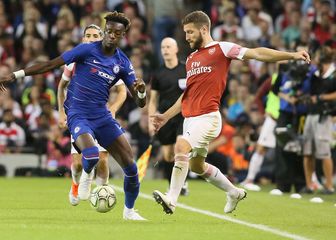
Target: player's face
x,y
169,49
114,32
91,35
193,36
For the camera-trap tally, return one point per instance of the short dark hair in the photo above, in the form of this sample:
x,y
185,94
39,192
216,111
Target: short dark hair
x,y
94,26
198,18
118,17
326,54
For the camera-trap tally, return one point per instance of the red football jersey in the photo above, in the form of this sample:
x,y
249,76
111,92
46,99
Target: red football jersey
x,y
207,70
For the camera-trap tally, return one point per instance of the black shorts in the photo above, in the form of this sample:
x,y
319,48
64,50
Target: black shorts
x,y
168,133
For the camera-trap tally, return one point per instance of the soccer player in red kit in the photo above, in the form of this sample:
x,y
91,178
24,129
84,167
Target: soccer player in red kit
x,y
207,68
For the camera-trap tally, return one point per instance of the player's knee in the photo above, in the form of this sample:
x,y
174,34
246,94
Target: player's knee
x,y
90,158
103,156
77,160
182,146
197,167
77,166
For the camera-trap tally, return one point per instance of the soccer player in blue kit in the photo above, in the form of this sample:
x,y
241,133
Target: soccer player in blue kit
x,y
99,66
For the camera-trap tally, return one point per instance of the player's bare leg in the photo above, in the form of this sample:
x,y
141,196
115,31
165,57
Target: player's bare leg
x,y
121,151
76,169
102,170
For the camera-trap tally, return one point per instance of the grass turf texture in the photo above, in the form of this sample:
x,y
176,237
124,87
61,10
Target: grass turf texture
x,y
38,208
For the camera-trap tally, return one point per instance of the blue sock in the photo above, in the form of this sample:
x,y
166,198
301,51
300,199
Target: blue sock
x,y
90,157
131,185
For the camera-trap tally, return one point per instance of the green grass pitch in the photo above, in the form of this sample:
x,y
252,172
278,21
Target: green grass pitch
x,y
38,208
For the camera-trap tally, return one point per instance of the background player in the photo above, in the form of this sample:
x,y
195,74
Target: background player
x,y
99,66
92,33
207,68
267,137
168,84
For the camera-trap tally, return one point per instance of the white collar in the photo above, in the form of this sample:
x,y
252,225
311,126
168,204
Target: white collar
x,y
211,44
330,70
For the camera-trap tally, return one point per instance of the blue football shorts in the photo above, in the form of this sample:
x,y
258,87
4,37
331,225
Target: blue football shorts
x,y
104,128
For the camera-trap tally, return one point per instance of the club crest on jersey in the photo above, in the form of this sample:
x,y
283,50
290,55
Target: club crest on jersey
x,y
212,50
77,129
116,69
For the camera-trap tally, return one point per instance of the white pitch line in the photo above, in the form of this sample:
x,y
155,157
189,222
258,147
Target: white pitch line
x,y
229,219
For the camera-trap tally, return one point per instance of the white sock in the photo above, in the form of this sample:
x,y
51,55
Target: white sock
x,y
75,175
127,210
214,176
101,181
179,175
255,165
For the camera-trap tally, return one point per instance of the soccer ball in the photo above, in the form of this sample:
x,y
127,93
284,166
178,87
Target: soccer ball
x,y
103,198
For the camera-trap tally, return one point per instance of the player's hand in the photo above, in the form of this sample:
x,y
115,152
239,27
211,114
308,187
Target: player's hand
x,y
62,120
302,55
139,85
6,79
158,121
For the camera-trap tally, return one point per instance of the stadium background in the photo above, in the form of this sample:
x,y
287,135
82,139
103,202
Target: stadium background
x,y
33,31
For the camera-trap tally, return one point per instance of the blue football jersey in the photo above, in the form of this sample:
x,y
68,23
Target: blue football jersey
x,y
95,74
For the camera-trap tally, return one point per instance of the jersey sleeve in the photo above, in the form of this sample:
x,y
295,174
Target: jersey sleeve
x,y
67,72
127,74
232,50
76,54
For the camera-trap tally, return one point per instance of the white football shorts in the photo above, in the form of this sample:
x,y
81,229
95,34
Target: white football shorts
x,y
199,131
267,136
74,151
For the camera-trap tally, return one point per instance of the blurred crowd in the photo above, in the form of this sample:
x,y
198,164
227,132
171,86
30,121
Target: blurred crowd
x,y
36,30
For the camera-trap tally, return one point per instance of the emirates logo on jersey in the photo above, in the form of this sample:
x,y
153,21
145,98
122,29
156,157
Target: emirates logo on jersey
x,y
212,50
198,69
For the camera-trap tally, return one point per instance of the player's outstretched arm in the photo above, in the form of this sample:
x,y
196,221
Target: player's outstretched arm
x,y
35,69
271,55
119,100
175,109
159,120
138,91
